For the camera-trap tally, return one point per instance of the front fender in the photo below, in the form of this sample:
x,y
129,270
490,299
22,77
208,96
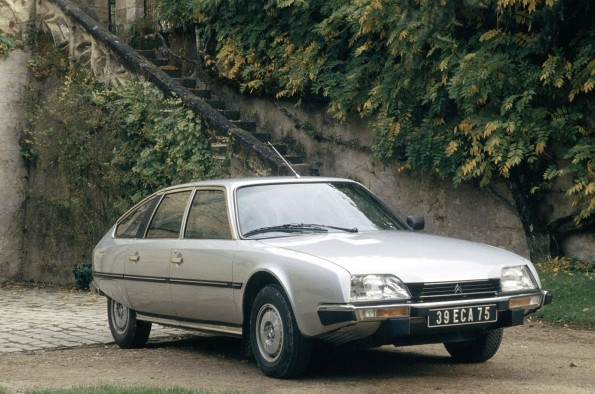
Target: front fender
x,y
308,282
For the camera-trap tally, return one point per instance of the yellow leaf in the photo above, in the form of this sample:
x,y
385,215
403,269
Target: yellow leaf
x,y
585,309
540,147
489,129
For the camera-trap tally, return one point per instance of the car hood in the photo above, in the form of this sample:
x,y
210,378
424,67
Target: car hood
x,y
413,257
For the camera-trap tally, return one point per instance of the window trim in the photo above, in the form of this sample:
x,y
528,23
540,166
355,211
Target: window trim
x,y
227,209
182,223
156,203
156,198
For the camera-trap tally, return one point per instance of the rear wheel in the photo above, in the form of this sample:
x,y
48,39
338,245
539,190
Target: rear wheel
x,y
127,331
477,350
281,351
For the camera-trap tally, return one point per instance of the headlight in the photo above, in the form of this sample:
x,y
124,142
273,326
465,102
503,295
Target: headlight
x,y
378,288
516,278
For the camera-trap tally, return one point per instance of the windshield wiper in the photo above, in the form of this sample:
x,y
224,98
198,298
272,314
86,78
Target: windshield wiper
x,y
296,228
285,228
345,229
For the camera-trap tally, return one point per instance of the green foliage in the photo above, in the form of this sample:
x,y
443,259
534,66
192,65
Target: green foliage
x,y
6,45
83,275
102,150
468,90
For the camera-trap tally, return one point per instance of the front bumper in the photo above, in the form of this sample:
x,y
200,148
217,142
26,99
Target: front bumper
x,y
394,322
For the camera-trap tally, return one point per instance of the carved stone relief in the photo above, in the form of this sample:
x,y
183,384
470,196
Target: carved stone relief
x,y
83,48
15,15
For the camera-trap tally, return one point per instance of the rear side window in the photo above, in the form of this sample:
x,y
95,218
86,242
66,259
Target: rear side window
x,y
208,217
131,223
168,219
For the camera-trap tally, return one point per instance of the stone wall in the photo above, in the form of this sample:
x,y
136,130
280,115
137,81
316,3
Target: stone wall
x,y
343,150
47,255
339,149
14,17
464,212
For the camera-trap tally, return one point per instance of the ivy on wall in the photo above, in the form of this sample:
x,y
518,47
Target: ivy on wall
x,y
93,152
471,91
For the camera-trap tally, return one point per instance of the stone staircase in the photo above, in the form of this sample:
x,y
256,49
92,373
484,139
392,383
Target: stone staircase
x,y
219,143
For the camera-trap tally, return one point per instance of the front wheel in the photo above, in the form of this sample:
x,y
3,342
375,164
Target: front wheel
x,y
477,350
281,351
128,332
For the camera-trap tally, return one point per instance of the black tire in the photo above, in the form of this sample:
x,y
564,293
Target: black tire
x,y
128,332
477,350
279,348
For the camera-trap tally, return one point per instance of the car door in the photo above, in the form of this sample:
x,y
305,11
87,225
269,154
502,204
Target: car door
x,y
148,265
201,276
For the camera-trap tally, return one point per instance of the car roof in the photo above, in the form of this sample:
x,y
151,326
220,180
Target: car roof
x,y
234,183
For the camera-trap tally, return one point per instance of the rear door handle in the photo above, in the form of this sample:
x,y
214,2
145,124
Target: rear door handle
x,y
177,260
133,257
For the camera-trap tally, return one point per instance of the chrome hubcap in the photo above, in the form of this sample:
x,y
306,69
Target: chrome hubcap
x,y
120,317
270,332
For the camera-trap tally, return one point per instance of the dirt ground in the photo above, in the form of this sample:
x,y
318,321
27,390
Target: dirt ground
x,y
533,358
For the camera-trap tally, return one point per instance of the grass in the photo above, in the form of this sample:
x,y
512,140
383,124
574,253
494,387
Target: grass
x,y
572,284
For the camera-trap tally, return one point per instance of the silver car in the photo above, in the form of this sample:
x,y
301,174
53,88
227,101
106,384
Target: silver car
x,y
284,263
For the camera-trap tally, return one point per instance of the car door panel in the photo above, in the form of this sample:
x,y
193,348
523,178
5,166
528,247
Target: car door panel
x,y
201,281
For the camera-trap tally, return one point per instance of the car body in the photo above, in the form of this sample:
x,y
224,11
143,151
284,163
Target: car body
x,y
283,262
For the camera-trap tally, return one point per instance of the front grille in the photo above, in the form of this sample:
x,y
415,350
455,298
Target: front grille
x,y
447,291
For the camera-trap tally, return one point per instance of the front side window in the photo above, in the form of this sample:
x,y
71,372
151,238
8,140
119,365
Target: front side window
x,y
208,218
168,219
130,224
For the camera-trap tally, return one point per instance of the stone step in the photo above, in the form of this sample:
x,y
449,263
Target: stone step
x,y
150,54
230,114
187,82
172,71
217,104
246,125
219,148
281,148
294,159
202,93
263,136
160,62
303,169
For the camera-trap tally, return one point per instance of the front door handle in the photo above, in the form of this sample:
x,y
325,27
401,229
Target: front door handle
x,y
177,260
133,257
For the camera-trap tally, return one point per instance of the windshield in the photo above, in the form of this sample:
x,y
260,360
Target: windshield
x,y
289,209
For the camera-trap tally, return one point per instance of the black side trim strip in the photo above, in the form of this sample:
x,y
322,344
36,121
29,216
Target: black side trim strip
x,y
103,275
207,283
156,279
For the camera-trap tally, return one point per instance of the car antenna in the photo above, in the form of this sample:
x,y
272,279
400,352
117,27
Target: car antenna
x,y
285,161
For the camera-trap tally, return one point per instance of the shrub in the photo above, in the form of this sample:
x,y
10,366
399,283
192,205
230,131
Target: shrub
x,y
83,276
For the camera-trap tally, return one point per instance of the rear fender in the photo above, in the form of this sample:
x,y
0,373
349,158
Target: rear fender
x,y
112,289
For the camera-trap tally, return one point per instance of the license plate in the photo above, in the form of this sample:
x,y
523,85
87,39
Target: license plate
x,y
445,317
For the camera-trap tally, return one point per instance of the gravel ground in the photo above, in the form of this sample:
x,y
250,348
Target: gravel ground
x,y
533,358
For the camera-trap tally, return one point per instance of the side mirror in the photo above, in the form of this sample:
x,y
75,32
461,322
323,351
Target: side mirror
x,y
416,222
